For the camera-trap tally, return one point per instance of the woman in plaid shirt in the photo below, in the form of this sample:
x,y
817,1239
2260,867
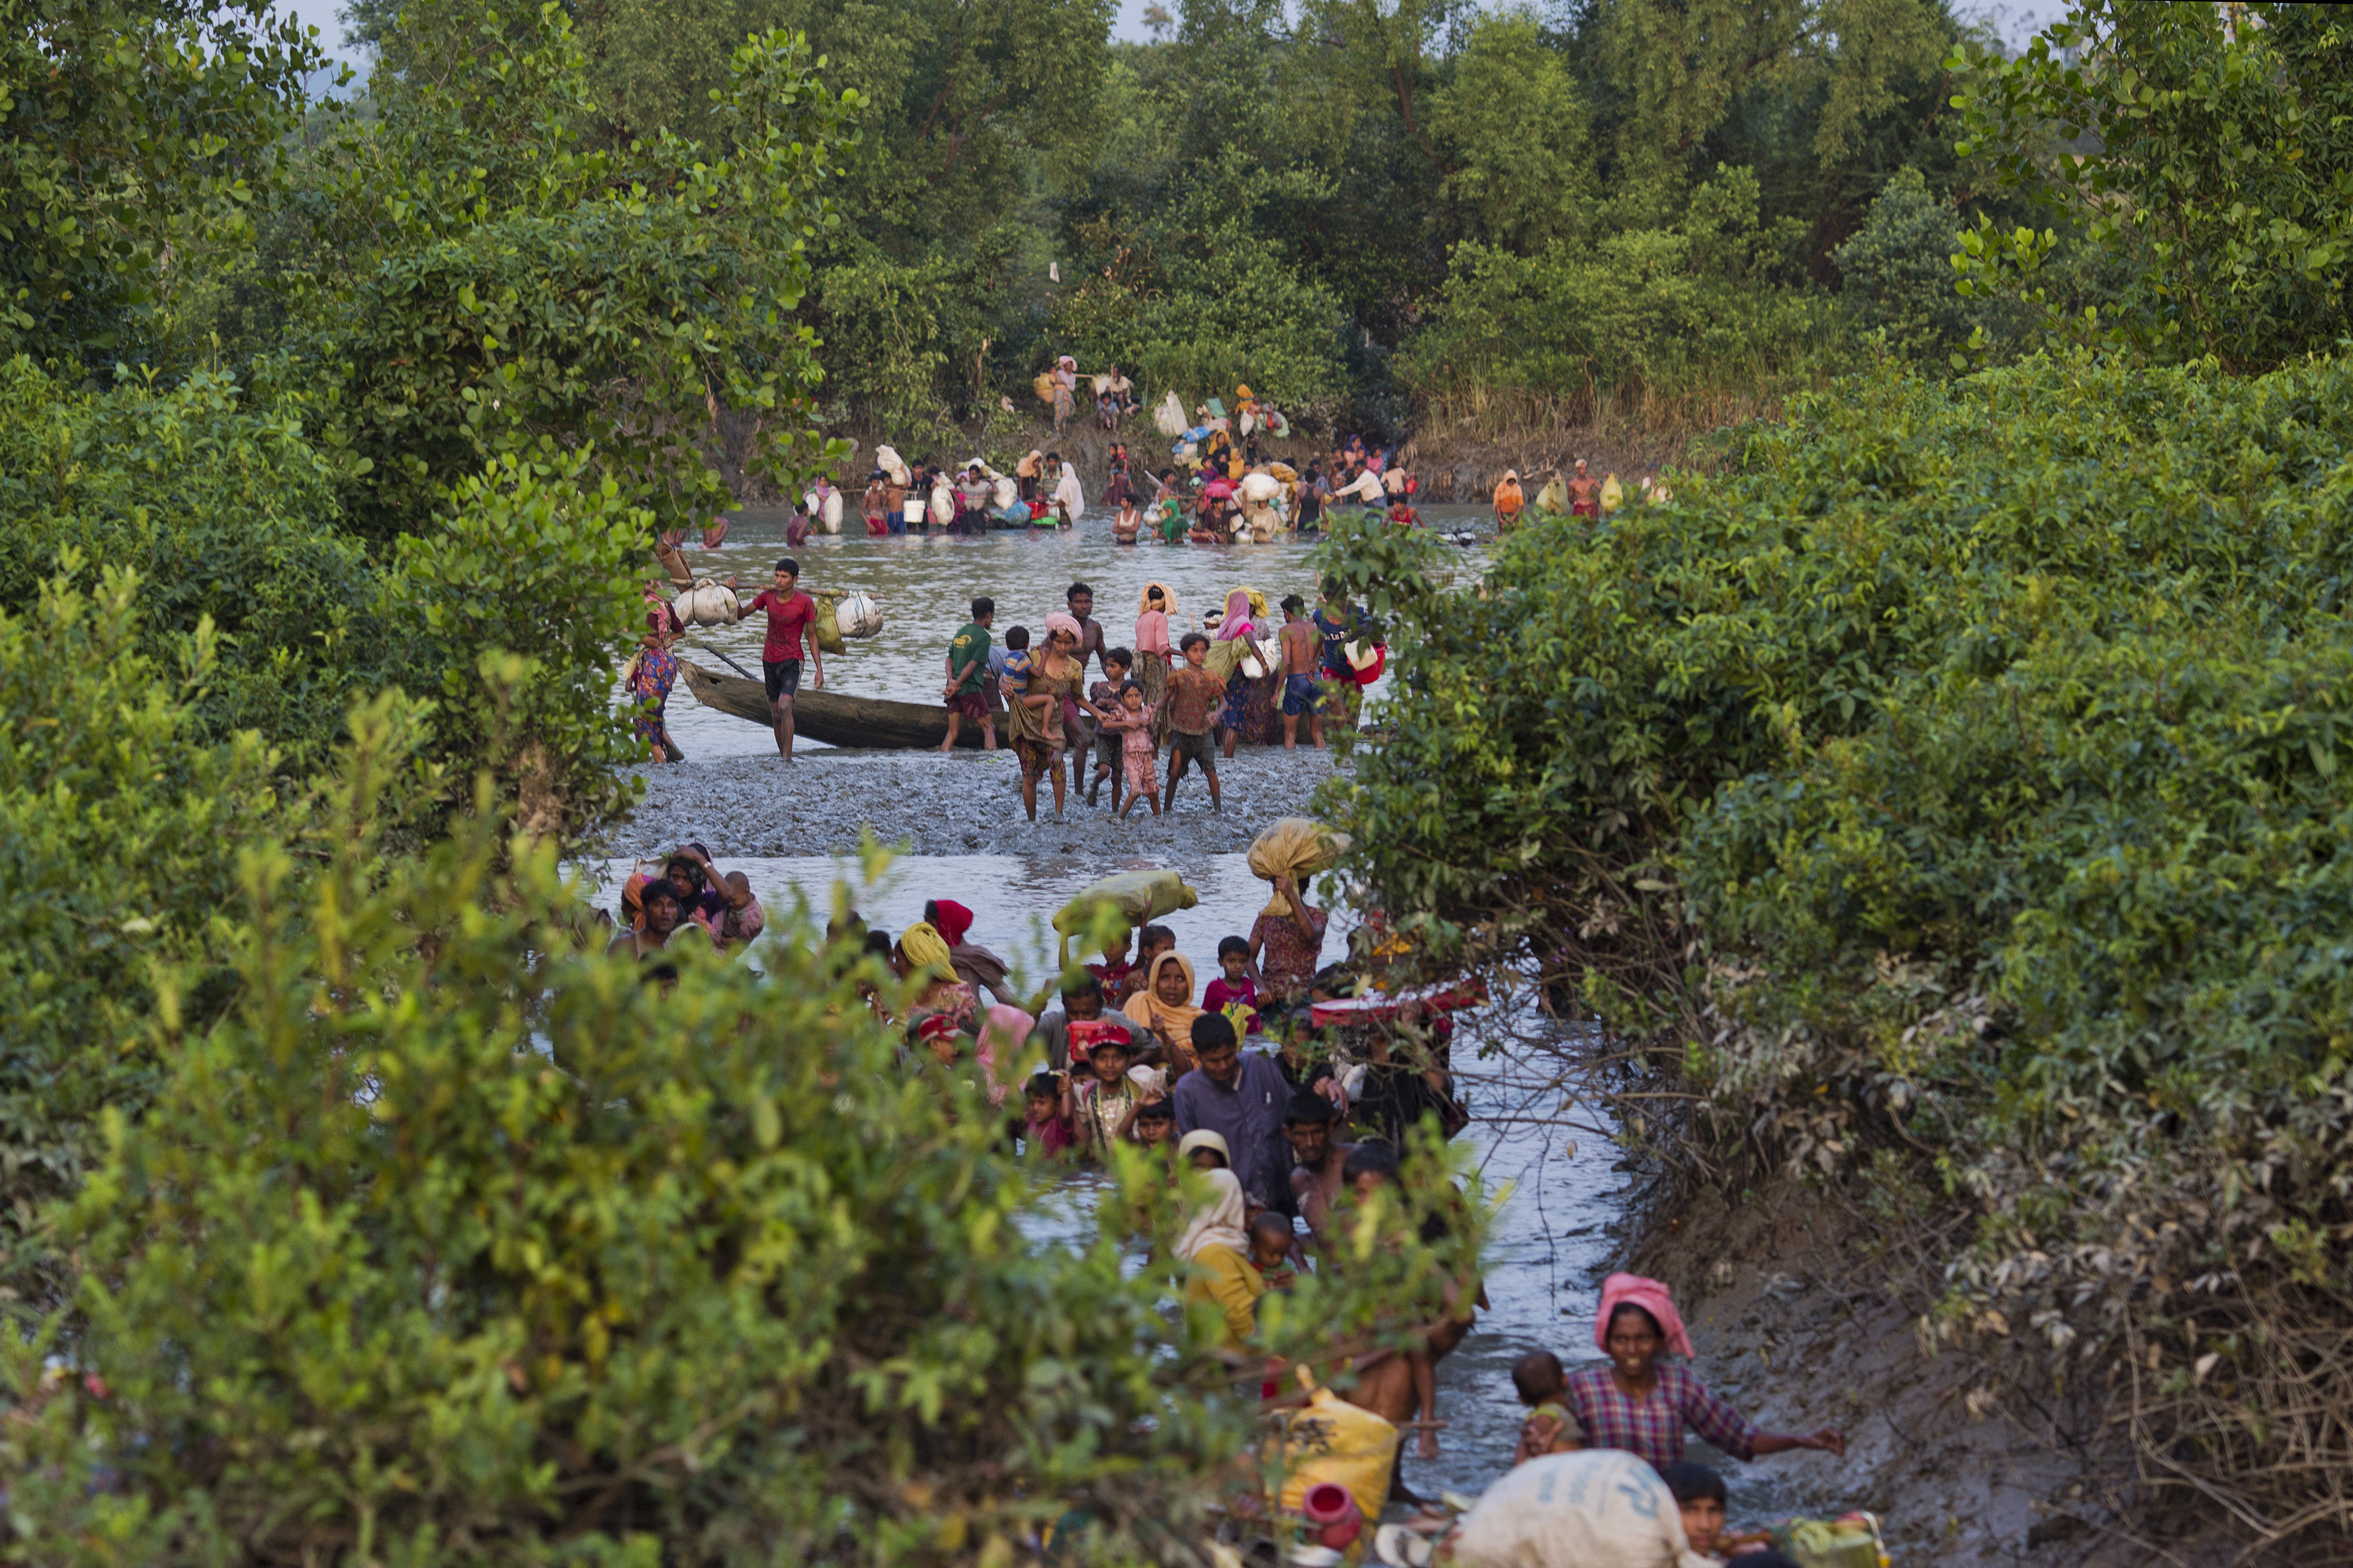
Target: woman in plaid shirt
x,y
1635,1404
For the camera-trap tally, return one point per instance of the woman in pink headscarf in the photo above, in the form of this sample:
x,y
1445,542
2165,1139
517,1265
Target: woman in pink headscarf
x,y
1234,628
1037,728
1632,1402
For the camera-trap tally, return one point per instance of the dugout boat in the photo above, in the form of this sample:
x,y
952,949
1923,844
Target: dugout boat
x,y
868,723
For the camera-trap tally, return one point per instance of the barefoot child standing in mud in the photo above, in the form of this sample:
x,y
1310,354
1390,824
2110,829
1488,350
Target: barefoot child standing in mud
x,y
1194,698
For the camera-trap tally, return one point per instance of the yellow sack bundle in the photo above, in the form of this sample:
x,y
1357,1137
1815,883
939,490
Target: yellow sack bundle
x,y
1553,498
1328,1439
1140,897
1613,494
1295,848
1044,387
827,628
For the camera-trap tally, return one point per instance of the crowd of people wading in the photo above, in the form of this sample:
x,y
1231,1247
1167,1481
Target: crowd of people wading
x,y
1287,1086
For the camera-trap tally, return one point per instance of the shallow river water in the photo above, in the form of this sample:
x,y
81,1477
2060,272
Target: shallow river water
x,y
926,585
1550,1238
1553,1237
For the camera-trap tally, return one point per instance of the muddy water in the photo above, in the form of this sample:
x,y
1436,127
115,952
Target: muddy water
x,y
1552,1234
926,585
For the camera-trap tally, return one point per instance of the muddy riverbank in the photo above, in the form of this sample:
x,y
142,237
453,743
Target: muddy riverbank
x,y
825,801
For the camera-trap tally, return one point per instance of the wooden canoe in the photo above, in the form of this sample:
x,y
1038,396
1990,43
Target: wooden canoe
x,y
869,722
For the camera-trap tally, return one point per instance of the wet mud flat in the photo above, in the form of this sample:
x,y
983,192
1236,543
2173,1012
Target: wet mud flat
x,y
965,804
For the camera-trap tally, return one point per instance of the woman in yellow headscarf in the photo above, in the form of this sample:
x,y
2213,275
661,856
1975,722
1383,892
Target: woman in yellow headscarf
x,y
924,960
1165,1006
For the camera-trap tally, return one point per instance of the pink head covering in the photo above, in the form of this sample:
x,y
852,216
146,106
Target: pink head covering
x,y
1634,1291
1003,1030
1237,621
1058,622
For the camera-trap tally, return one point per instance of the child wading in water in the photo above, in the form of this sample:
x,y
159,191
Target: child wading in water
x,y
1234,993
1101,1106
1046,1127
1139,757
1543,1387
1273,1245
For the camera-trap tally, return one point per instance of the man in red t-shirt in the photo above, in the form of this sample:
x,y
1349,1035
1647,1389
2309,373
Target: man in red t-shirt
x,y
790,610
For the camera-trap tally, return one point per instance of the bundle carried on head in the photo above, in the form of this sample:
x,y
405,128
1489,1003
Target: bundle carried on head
x,y
1140,897
1295,848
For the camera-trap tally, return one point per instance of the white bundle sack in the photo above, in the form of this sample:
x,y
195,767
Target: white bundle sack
x,y
890,463
858,616
1260,489
707,604
1603,1508
1169,417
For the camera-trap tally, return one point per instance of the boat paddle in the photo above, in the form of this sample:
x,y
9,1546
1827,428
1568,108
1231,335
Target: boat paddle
x,y
725,661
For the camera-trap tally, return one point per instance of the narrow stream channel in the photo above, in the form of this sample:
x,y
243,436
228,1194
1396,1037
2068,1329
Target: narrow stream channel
x,y
1554,1235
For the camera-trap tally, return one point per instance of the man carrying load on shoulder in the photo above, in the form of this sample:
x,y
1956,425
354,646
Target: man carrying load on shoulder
x,y
790,612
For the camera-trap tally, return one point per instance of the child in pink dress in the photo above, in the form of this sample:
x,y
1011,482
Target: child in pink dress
x,y
1140,758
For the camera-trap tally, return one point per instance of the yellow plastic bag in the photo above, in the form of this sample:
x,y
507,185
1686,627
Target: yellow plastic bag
x,y
1553,499
1328,1439
1296,848
1849,1543
1044,387
1613,494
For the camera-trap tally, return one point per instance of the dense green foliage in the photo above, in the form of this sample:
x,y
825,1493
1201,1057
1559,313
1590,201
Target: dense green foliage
x,y
1295,197
135,137
411,1227
123,828
226,515
2214,163
1956,783
453,1241
1699,304
484,287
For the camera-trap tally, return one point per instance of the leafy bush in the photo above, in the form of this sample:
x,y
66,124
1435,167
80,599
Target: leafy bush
x,y
484,287
2209,153
141,133
1957,780
226,515
454,1240
1236,313
123,826
518,601
1643,308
